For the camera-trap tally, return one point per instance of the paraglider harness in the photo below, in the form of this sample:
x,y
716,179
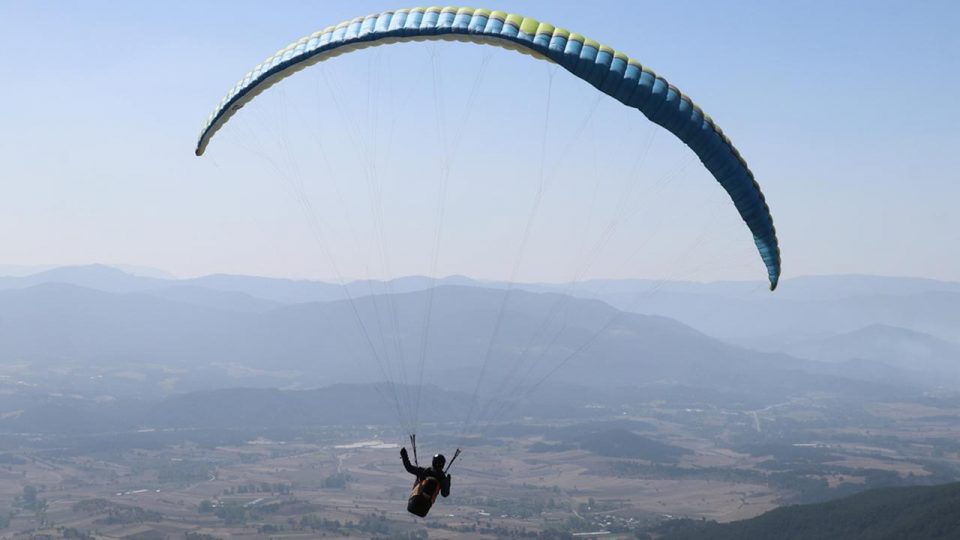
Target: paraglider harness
x,y
425,489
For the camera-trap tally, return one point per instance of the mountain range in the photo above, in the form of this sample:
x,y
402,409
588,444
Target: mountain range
x,y
801,308
222,330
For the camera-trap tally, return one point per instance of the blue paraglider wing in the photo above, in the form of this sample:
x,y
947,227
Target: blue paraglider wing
x,y
610,71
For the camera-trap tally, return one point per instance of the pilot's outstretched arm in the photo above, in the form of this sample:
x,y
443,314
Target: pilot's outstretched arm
x,y
411,468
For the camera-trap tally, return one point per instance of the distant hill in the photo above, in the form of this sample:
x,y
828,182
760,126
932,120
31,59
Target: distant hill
x,y
773,319
890,345
94,276
321,343
802,308
218,288
199,296
290,291
873,328
804,288
914,513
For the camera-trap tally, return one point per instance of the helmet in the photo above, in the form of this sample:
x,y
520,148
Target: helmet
x,y
438,462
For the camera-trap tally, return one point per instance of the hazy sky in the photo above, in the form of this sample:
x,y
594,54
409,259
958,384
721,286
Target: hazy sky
x,y
846,113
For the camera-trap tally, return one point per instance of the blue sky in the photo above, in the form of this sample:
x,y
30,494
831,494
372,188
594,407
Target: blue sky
x,y
846,113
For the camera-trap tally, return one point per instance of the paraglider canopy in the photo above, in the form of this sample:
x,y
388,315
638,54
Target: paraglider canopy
x,y
611,72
